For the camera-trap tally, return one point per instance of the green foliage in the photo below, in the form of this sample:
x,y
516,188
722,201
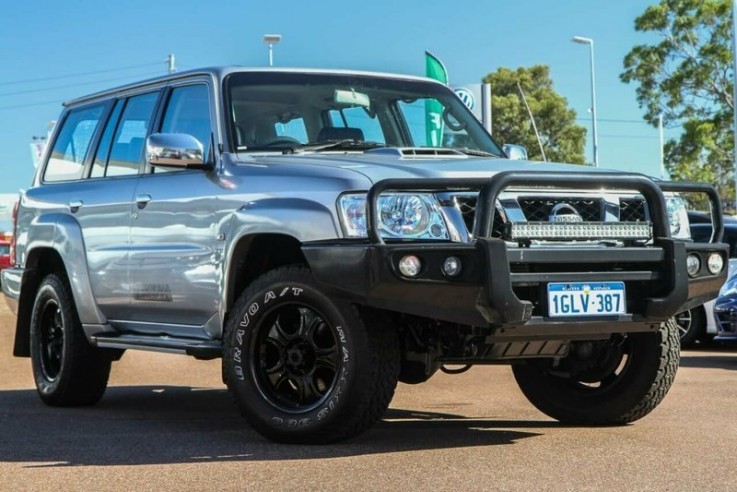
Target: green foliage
x,y
687,76
562,139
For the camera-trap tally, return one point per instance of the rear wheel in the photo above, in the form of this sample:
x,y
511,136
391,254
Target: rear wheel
x,y
68,371
607,382
303,367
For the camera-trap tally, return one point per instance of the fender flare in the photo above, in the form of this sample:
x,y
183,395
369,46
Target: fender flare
x,y
63,234
301,219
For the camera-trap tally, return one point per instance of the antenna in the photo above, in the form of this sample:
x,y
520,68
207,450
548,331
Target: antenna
x,y
532,119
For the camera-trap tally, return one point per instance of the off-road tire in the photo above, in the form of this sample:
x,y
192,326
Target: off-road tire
x,y
68,371
272,357
633,393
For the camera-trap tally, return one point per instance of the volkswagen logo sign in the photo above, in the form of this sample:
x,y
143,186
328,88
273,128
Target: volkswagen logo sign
x,y
466,97
563,212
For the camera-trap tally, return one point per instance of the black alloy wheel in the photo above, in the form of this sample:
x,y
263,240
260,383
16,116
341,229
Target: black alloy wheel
x,y
51,331
295,358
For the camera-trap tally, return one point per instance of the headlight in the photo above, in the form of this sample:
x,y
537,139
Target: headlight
x,y
729,288
677,217
399,216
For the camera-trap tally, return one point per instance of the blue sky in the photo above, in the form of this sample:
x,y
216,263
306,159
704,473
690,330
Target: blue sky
x,y
52,39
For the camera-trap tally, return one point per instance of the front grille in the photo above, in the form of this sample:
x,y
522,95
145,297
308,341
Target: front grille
x,y
539,208
467,206
726,323
632,209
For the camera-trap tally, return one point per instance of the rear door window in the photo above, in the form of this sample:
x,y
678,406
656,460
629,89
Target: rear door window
x,y
67,159
103,150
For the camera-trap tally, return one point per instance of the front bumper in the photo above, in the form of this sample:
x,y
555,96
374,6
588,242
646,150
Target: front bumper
x,y
10,279
504,287
493,290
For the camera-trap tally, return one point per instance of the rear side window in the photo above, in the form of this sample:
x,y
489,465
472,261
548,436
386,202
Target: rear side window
x,y
358,117
72,144
130,135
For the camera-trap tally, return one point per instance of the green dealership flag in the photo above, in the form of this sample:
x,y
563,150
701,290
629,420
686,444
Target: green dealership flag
x,y
434,69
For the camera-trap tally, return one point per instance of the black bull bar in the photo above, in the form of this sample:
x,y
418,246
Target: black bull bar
x,y
485,294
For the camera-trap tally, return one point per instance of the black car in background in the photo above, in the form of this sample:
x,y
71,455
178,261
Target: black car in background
x,y
725,312
699,323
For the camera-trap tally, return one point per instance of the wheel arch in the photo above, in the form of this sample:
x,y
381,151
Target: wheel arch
x,y
54,243
40,262
255,254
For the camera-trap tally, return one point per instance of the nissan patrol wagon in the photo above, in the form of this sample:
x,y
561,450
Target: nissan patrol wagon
x,y
329,234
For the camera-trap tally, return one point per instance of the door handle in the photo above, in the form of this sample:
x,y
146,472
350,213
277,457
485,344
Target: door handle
x,y
74,205
142,200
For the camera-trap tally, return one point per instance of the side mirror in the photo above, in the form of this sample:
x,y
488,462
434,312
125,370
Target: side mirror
x,y
177,150
515,152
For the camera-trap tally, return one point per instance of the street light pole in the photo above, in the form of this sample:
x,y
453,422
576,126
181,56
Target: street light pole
x,y
590,42
271,40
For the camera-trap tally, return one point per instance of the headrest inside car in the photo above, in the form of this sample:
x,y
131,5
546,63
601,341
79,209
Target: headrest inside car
x,y
339,133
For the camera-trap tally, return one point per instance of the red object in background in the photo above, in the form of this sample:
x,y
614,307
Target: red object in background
x,y
4,254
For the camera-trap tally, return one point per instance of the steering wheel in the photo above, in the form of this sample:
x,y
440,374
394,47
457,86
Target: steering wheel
x,y
281,141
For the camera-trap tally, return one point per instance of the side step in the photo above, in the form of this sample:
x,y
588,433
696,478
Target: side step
x,y
199,349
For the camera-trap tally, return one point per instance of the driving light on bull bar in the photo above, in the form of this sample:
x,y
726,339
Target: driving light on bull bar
x,y
452,266
693,265
715,263
410,266
579,230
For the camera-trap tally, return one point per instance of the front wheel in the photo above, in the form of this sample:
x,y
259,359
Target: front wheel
x,y
303,367
607,382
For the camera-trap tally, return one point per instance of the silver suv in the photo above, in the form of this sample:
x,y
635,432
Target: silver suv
x,y
329,234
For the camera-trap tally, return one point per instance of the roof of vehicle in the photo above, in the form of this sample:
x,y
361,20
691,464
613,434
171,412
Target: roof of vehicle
x,y
221,72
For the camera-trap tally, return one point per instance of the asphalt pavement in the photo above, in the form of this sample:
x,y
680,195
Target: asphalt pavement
x,y
167,423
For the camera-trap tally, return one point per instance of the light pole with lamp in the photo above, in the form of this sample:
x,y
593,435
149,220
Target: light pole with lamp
x,y
271,40
590,42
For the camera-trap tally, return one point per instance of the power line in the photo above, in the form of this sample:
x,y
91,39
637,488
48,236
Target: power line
x,y
630,136
78,84
80,74
60,100
16,106
615,120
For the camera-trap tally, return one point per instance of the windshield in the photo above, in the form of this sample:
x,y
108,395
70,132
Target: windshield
x,y
280,111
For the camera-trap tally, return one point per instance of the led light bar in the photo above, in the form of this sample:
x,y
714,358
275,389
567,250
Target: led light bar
x,y
521,231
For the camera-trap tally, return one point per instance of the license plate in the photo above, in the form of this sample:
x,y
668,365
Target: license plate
x,y
586,299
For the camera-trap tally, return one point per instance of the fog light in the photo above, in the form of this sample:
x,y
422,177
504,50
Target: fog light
x,y
452,266
410,266
715,263
693,265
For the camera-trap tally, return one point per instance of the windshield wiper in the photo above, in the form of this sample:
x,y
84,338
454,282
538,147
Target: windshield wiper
x,y
344,144
475,152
